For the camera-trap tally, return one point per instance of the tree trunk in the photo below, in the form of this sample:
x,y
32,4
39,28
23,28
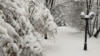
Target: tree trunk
x,y
97,33
45,36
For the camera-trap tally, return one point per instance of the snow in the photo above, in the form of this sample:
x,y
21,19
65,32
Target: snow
x,y
70,42
51,25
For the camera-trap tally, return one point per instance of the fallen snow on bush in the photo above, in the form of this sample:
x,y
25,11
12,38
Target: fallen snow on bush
x,y
22,24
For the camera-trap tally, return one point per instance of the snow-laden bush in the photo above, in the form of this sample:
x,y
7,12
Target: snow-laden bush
x,y
16,30
42,17
10,30
32,44
51,29
22,22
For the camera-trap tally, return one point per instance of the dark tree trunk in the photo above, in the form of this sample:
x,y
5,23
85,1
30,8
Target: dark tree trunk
x,y
97,33
89,6
45,36
49,4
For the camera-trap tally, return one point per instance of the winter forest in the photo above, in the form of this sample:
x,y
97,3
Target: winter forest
x,y
49,28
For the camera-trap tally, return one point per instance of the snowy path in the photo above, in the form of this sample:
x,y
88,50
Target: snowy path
x,y
69,42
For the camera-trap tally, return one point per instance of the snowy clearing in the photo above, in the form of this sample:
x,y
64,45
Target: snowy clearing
x,y
69,42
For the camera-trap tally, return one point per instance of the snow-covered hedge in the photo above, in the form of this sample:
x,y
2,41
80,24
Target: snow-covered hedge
x,y
22,22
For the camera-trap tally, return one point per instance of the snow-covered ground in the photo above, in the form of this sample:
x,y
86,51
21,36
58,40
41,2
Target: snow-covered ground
x,y
70,42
